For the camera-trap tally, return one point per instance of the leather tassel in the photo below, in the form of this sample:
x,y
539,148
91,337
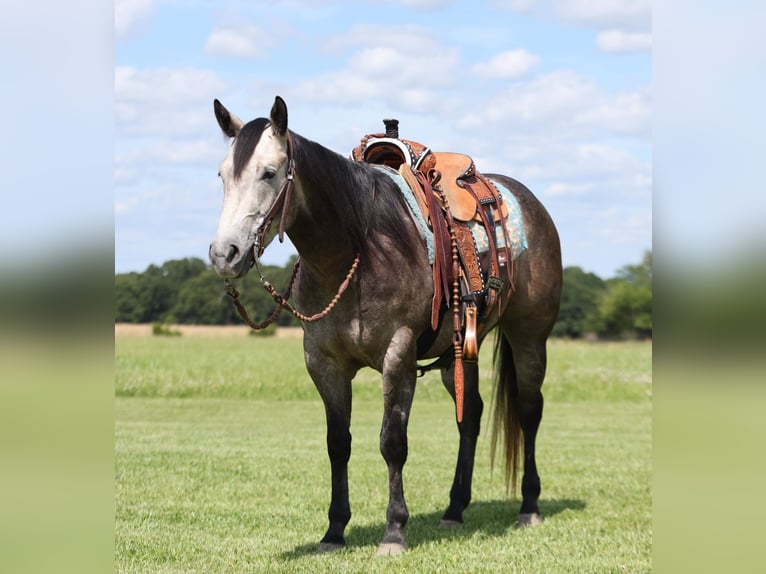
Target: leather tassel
x,y
459,388
436,301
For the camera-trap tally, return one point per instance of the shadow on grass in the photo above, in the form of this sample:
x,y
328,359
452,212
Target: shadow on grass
x,y
492,518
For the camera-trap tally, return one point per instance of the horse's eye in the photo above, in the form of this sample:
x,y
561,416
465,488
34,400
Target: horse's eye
x,y
269,174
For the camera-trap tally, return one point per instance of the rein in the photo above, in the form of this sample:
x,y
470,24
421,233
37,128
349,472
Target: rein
x,y
282,203
282,300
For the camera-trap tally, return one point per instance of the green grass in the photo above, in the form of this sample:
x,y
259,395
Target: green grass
x,y
221,466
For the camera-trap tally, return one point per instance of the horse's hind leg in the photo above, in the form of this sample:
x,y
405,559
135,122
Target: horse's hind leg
x,y
529,359
460,493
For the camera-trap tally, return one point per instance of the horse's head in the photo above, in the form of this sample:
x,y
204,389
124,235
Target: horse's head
x,y
254,174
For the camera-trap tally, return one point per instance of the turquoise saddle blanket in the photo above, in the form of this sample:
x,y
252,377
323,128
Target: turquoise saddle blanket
x,y
514,223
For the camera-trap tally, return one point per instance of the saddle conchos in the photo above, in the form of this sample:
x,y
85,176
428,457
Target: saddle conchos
x,y
452,197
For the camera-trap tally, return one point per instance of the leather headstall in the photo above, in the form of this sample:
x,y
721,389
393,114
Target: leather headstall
x,y
281,203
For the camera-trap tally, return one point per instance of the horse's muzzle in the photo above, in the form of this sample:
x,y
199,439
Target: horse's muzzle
x,y
229,261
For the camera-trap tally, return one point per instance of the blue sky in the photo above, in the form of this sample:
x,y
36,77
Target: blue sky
x,y
556,93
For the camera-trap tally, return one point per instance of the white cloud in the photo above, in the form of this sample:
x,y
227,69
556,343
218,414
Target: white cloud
x,y
621,41
507,65
413,38
129,15
247,41
585,169
560,188
633,14
165,101
627,113
193,152
598,14
425,4
165,85
546,98
404,66
564,103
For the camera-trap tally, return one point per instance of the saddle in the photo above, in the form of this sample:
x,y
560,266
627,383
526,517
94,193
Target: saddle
x,y
452,195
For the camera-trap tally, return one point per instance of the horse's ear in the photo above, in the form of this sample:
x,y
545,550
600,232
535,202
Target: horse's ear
x,y
279,116
230,124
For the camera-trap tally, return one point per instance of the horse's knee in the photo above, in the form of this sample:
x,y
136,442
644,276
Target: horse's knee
x,y
338,444
530,406
472,411
393,443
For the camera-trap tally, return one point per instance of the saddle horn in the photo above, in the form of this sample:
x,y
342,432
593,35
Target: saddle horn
x,y
392,128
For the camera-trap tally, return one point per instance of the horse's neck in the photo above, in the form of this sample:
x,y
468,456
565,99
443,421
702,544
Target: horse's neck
x,y
315,230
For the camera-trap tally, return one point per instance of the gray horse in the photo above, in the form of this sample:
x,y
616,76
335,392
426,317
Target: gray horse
x,y
348,219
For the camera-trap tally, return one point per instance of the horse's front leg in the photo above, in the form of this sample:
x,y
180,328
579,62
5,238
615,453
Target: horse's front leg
x,y
399,375
334,387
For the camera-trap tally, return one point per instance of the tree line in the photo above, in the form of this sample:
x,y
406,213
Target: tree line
x,y
614,308
188,291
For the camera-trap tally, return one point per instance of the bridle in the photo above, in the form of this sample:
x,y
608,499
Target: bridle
x,y
280,207
282,203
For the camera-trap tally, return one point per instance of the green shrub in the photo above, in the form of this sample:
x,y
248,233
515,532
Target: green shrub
x,y
164,330
269,331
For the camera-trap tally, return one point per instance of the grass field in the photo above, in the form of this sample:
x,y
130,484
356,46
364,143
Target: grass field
x,y
221,465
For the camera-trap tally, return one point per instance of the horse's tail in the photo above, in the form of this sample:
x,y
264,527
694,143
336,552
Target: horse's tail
x,y
505,415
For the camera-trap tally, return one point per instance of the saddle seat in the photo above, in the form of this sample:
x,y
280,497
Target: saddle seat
x,y
447,171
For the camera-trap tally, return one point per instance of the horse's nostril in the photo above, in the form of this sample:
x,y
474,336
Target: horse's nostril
x,y
233,253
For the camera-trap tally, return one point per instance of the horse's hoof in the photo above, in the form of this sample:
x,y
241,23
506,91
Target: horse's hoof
x,y
325,547
391,549
446,523
529,519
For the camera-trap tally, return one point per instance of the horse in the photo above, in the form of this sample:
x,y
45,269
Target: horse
x,y
360,249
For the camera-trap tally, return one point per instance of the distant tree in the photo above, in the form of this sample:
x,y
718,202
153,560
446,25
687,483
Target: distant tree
x,y
147,297
580,297
189,291
127,289
177,271
626,308
141,297
201,301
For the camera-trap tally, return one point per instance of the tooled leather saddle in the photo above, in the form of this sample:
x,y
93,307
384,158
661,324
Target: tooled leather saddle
x,y
451,195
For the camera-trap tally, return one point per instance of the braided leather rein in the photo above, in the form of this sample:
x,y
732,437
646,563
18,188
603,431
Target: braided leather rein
x,y
282,300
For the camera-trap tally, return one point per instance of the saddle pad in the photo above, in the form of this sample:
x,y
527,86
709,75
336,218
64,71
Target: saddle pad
x,y
514,222
514,225
412,203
